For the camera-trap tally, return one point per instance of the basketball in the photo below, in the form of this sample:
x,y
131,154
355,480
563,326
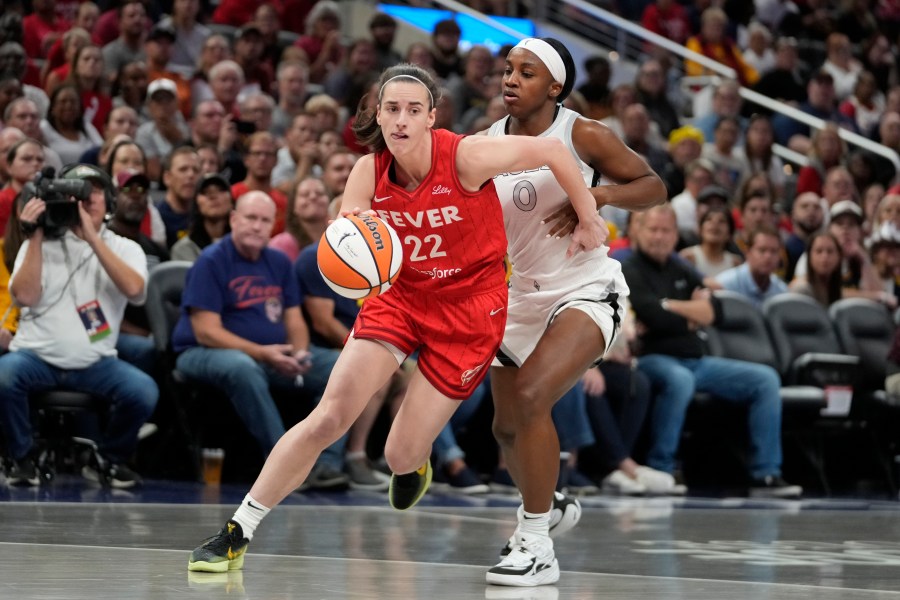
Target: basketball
x,y
359,256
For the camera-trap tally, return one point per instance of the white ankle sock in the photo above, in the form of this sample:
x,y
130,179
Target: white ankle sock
x,y
535,523
249,514
361,454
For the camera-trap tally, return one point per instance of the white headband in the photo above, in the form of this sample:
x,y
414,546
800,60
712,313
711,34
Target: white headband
x,y
414,78
548,55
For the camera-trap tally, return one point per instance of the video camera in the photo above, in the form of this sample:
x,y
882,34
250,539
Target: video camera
x,y
61,212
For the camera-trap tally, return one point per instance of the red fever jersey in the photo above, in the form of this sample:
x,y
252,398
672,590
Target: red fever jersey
x,y
453,240
450,300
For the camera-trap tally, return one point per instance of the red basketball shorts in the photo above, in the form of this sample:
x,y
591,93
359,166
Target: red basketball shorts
x,y
457,337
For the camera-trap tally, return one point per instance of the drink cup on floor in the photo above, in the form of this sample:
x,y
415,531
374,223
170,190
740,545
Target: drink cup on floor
x,y
212,465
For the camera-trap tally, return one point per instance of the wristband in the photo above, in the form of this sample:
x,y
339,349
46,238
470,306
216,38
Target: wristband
x,y
28,228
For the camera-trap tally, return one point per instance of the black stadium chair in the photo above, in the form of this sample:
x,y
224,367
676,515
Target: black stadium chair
x,y
743,335
811,352
865,329
808,349
53,411
163,306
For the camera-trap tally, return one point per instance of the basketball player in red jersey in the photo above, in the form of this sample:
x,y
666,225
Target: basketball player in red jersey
x,y
563,313
449,303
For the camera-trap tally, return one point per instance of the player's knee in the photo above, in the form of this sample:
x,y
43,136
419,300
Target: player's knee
x,y
532,402
504,431
403,458
326,425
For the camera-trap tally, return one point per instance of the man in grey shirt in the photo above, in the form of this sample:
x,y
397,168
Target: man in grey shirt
x,y
129,46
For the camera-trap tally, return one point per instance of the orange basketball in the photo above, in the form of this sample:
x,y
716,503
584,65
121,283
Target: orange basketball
x,y
359,256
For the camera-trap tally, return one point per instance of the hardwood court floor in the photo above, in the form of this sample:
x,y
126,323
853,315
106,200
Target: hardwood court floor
x,y
73,541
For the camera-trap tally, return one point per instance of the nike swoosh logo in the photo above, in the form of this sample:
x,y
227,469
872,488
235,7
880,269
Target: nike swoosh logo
x,y
253,506
377,199
496,310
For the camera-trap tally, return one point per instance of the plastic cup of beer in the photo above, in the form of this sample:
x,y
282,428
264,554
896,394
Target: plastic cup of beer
x,y
212,465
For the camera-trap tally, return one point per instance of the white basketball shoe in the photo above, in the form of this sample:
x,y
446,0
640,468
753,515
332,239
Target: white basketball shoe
x,y
531,562
564,515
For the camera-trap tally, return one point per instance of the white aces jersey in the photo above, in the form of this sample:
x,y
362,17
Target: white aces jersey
x,y
528,197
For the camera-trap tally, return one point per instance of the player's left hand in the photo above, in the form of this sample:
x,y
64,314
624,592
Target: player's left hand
x,y
588,235
562,222
355,212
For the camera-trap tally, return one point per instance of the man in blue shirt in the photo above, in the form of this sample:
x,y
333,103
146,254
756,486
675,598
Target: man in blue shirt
x,y
756,279
241,330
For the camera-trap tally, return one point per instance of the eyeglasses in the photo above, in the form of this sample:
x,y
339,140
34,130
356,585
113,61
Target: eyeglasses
x,y
134,190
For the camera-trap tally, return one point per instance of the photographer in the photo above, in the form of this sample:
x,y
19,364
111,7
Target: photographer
x,y
73,278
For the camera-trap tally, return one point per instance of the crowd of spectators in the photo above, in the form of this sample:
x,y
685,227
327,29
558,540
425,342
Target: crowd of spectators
x,y
187,109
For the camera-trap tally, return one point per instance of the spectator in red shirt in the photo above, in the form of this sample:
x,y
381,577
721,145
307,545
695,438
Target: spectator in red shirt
x,y
86,19
26,160
322,42
240,12
42,28
86,74
668,19
72,41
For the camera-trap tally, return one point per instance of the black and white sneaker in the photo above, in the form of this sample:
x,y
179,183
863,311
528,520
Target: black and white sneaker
x,y
564,515
531,562
119,477
774,486
23,472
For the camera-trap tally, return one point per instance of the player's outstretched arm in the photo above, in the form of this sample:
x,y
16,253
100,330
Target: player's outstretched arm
x,y
480,158
360,186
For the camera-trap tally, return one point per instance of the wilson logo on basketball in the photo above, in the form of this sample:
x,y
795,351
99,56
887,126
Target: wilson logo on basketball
x,y
439,189
373,226
359,256
469,375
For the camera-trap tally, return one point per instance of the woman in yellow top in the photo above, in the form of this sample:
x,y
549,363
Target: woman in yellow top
x,y
12,240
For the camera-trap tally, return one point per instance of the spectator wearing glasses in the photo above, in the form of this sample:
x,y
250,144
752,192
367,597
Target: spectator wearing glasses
x,y
260,160
257,109
23,114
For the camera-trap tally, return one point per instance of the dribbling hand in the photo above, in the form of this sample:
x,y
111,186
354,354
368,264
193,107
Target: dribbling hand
x,y
354,212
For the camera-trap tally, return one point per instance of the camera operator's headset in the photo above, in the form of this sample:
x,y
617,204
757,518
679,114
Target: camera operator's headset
x,y
91,172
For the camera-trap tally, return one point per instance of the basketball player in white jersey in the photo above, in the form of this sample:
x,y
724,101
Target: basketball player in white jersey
x,y
563,311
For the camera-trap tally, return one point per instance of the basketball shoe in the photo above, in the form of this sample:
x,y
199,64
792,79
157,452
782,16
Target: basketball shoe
x,y
406,490
222,552
531,562
564,515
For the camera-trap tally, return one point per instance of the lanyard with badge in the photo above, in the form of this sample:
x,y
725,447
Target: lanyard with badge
x,y
92,318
